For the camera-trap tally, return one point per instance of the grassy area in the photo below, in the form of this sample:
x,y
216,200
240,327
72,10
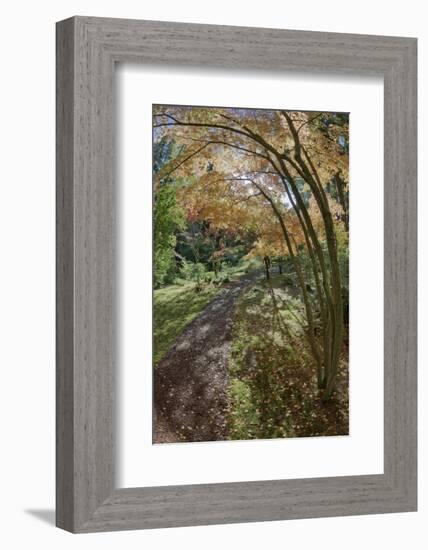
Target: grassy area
x,y
174,307
244,267
272,386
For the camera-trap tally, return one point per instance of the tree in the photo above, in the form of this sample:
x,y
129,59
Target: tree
x,y
272,168
168,220
168,215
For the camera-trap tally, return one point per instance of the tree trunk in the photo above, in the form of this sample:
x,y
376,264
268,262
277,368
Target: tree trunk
x,y
266,260
335,329
296,264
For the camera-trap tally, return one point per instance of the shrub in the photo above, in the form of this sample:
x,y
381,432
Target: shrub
x,y
193,272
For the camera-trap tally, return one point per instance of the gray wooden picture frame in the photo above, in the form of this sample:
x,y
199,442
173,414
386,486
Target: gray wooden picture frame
x,y
87,50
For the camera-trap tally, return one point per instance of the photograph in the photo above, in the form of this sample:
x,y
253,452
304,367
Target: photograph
x,y
212,242
250,273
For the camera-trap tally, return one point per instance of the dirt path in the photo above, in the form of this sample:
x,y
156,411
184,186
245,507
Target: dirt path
x,y
190,382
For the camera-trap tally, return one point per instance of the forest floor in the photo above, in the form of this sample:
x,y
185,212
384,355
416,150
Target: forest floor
x,y
191,380
272,377
241,369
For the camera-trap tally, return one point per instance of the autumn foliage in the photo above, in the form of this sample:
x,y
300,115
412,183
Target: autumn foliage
x,y
277,180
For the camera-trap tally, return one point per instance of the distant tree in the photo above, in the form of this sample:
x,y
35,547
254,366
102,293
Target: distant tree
x,y
168,220
168,215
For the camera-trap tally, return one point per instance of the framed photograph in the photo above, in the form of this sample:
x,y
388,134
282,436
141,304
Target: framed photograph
x,y
236,274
